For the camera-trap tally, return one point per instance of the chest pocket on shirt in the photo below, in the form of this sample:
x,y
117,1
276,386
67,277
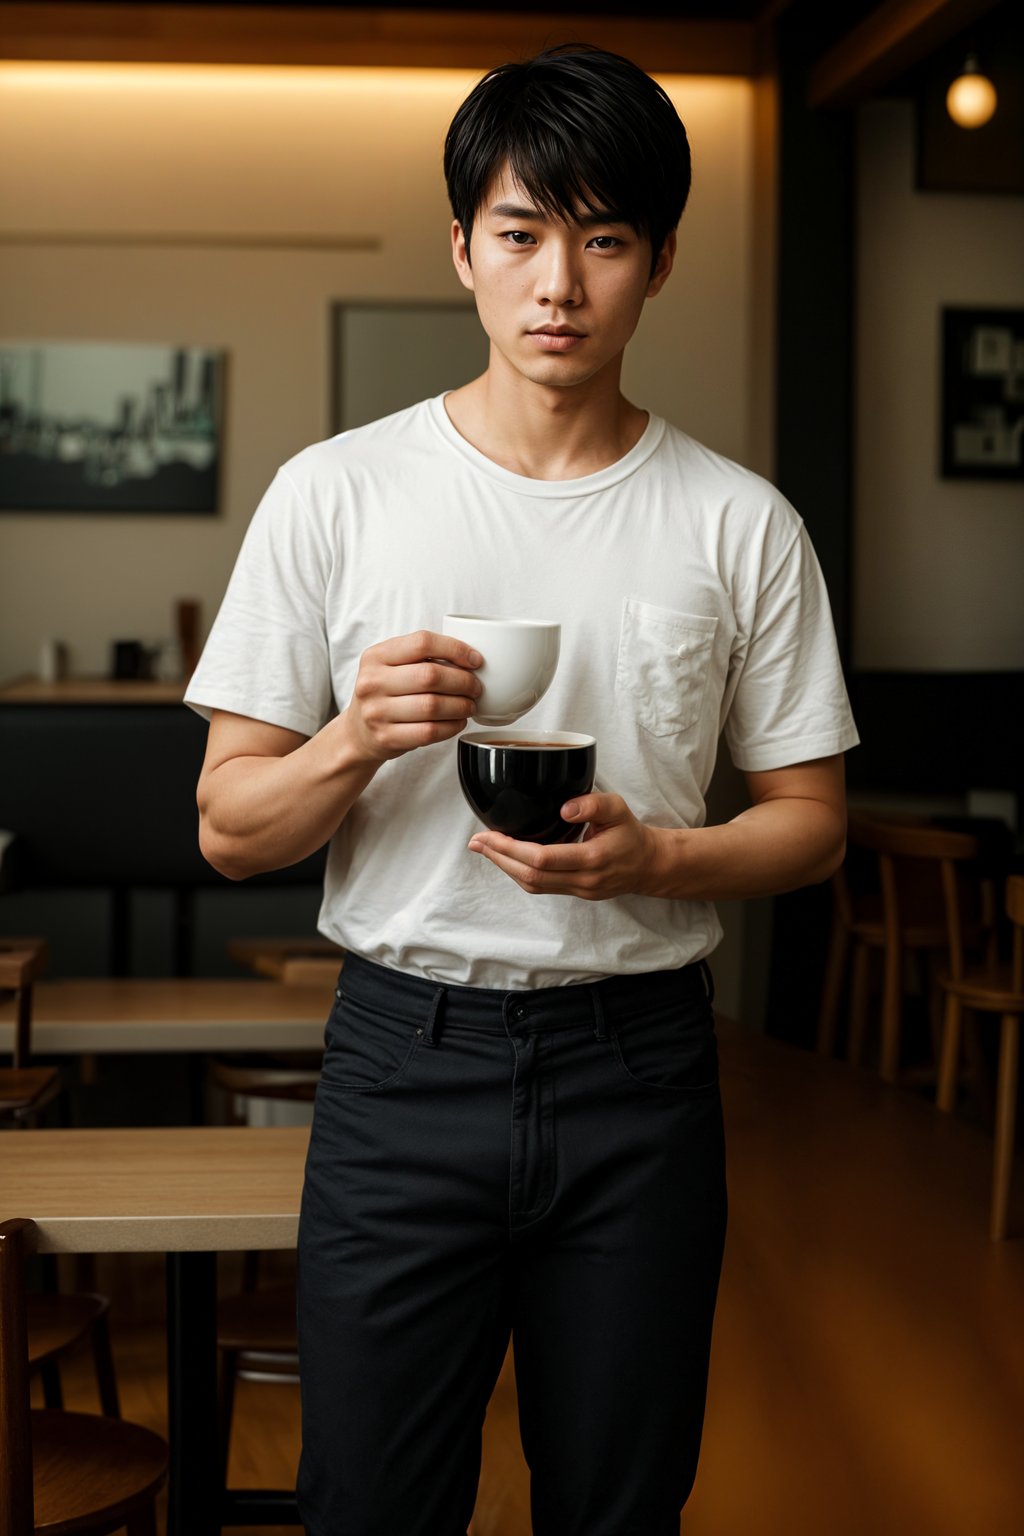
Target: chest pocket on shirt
x,y
664,664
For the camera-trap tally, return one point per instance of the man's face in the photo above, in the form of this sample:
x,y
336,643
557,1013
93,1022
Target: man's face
x,y
558,301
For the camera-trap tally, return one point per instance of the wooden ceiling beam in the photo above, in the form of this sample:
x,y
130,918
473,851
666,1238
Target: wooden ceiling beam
x,y
890,40
297,35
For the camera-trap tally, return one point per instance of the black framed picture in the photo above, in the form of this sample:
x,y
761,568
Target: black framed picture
x,y
109,427
983,394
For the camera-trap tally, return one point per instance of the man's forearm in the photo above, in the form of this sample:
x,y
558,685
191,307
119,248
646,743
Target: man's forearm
x,y
263,813
778,845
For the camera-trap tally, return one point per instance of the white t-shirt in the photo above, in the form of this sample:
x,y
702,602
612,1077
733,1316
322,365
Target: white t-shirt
x,y
690,601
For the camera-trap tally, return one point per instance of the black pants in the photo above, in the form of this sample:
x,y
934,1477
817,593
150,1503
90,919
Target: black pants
x,y
548,1164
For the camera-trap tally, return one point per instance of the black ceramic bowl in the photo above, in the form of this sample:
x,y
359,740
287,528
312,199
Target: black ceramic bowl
x,y
518,781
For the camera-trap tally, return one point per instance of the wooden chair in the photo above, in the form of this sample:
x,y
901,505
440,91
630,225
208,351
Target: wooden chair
x,y
25,1091
57,1323
993,988
857,930
64,1472
256,1333
255,1326
915,862
257,1341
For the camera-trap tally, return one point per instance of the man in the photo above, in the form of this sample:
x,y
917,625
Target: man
x,y
518,1128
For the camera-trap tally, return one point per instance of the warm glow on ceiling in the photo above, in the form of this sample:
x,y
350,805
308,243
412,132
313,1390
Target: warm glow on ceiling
x,y
257,77
226,77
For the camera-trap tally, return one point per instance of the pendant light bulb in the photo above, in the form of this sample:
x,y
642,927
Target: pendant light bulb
x,y
971,100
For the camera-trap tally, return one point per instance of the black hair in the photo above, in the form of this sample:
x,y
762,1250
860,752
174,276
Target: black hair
x,y
578,128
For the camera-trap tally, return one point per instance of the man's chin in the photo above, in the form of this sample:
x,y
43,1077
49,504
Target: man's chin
x,y
556,372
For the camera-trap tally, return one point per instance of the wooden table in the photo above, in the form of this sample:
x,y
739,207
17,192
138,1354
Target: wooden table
x,y
298,962
190,1193
91,690
104,1015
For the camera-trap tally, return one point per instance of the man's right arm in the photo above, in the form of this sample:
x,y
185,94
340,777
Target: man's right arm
x,y
268,796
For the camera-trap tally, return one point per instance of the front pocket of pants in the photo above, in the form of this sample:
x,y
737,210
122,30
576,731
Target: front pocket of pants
x,y
663,665
672,1051
365,1050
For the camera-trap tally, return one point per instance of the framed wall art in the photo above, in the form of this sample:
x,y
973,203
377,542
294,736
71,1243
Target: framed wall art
x,y
983,394
109,427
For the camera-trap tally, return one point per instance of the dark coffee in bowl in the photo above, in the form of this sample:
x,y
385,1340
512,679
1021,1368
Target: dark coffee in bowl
x,y
517,782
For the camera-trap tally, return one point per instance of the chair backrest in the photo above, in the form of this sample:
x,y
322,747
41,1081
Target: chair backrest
x,y
925,865
855,880
22,962
911,839
16,1505
1015,912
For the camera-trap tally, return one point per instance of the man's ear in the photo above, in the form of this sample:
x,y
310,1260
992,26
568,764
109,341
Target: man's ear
x,y
663,265
460,255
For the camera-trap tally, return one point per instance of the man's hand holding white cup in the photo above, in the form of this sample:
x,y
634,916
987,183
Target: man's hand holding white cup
x,y
411,691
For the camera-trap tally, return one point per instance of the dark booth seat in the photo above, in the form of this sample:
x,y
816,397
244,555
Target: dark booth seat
x,y
102,795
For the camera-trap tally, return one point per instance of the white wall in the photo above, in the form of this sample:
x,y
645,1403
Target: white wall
x,y
333,152
938,564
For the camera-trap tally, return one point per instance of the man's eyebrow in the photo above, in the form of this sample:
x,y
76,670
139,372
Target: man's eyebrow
x,y
536,216
512,211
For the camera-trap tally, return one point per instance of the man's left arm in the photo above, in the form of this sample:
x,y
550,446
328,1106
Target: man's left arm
x,y
792,834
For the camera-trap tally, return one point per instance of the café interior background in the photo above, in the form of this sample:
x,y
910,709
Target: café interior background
x,y
356,154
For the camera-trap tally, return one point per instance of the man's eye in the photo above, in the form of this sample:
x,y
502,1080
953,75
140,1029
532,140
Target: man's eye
x,y
605,242
517,236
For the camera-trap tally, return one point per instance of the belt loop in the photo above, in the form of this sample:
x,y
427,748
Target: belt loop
x,y
600,1032
433,1021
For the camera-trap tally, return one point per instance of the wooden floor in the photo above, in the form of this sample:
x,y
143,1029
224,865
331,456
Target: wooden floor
x,y
868,1366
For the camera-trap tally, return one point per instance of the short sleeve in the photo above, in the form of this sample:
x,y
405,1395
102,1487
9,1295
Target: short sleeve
x,y
267,654
789,703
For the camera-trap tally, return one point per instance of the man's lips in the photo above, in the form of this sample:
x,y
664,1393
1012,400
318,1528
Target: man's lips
x,y
556,338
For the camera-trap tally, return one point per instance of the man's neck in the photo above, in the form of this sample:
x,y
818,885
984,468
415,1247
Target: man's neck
x,y
542,432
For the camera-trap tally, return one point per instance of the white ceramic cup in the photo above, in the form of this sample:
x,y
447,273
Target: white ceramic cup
x,y
520,657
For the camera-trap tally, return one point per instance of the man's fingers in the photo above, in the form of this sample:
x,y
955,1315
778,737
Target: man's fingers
x,y
422,678
525,874
410,664
422,645
544,858
414,690
407,707
599,807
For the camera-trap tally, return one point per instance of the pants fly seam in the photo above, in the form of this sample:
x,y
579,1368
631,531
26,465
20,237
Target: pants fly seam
x,y
512,1132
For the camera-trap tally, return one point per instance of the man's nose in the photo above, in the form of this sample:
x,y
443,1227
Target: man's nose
x,y
558,281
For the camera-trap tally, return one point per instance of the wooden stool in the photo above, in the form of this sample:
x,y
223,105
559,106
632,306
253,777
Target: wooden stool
x,y
25,1090
57,1323
992,989
256,1333
857,931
